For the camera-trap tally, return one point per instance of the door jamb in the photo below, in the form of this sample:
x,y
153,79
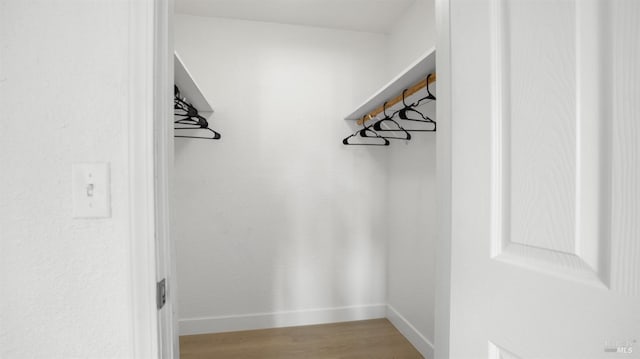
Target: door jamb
x,y
141,179
144,105
443,169
163,156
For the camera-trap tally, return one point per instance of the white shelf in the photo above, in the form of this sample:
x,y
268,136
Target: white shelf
x,y
188,87
417,71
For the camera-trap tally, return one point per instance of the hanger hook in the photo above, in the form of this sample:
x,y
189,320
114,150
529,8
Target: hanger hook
x,y
384,109
404,103
430,95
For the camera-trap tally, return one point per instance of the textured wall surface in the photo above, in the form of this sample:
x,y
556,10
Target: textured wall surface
x,y
279,215
64,283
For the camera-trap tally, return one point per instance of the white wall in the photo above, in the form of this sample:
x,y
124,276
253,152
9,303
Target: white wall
x,y
412,212
412,35
64,283
412,232
279,216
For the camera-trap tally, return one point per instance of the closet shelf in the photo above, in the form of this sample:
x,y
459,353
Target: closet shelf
x,y
188,87
417,71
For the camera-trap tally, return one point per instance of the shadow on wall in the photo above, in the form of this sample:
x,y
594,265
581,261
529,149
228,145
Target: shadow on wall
x,y
412,223
302,236
278,216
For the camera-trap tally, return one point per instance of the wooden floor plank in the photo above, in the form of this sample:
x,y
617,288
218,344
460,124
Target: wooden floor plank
x,y
366,339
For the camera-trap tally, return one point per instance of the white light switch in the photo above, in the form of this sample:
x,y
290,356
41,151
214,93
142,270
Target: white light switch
x,y
91,190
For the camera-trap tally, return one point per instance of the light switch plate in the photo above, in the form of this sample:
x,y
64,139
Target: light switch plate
x,y
91,190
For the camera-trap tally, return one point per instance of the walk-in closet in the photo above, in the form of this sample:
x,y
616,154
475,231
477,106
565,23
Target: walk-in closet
x,y
303,190
320,179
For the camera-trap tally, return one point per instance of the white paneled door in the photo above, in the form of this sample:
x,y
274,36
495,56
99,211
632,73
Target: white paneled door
x,y
545,251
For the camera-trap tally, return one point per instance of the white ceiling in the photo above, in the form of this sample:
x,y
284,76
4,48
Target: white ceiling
x,y
360,15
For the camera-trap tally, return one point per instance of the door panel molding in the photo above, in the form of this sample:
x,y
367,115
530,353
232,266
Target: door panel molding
x,y
556,155
497,352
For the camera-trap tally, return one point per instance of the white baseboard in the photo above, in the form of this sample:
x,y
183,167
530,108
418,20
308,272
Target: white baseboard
x,y
422,344
233,323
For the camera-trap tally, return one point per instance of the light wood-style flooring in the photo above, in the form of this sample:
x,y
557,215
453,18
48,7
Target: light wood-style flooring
x,y
366,339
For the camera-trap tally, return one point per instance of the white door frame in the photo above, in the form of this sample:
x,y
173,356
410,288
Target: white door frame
x,y
148,145
150,159
141,179
163,160
443,183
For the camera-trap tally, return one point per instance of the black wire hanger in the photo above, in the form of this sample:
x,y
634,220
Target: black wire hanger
x,y
190,119
376,136
430,97
402,113
378,125
215,135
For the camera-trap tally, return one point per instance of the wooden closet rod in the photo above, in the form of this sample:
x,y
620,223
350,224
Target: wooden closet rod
x,y
410,91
